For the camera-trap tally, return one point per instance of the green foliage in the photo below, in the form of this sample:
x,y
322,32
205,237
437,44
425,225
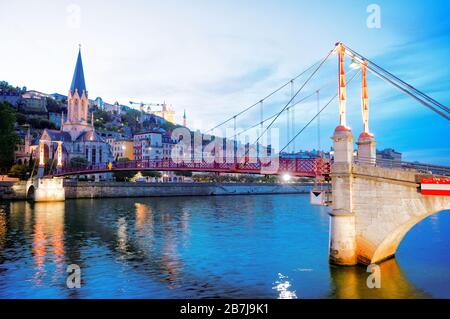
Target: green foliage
x,y
19,171
151,174
8,136
54,105
39,123
213,178
131,118
183,173
124,176
6,87
21,118
78,162
102,117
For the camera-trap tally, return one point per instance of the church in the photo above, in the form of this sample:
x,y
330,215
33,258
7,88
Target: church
x,y
77,136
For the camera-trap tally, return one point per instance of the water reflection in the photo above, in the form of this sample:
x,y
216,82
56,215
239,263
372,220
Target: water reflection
x,y
283,287
2,227
187,247
48,239
351,282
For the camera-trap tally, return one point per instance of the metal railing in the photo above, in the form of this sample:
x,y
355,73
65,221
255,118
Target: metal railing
x,y
307,167
416,166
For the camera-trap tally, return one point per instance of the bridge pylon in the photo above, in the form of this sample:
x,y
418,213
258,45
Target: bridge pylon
x,y
342,219
366,142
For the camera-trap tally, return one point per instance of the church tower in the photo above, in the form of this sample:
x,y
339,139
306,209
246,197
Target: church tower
x,y
77,103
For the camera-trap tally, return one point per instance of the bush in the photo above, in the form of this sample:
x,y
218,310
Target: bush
x,y
124,176
151,174
78,162
19,171
183,173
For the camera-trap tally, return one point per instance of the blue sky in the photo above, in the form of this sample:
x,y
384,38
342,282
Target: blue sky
x,y
213,58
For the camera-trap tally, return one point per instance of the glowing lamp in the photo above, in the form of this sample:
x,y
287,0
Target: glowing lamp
x,y
355,65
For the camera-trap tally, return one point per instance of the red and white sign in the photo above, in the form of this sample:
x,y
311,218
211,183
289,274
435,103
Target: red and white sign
x,y
435,186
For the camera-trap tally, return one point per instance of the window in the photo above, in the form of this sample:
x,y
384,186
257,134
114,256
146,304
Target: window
x,y
93,155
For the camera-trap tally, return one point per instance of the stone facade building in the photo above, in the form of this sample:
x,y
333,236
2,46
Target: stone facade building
x,y
77,136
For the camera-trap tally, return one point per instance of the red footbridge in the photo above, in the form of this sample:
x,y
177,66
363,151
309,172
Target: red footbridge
x,y
302,167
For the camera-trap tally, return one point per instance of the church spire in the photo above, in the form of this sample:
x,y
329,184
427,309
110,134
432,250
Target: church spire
x,y
78,82
184,118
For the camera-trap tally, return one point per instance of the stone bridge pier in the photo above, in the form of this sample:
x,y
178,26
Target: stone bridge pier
x,y
46,190
373,207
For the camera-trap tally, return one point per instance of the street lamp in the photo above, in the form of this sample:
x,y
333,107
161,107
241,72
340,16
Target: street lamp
x,y
355,65
286,177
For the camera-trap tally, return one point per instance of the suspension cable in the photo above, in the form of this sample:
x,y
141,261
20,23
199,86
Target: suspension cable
x,y
403,86
271,117
431,107
430,99
296,93
292,105
266,97
315,116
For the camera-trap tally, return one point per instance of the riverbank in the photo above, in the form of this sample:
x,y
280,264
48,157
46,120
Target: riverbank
x,y
75,190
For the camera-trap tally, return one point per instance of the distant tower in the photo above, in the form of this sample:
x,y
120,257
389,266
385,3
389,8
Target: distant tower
x,y
184,118
77,103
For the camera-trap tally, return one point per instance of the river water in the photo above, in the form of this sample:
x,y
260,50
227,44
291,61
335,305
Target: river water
x,y
256,246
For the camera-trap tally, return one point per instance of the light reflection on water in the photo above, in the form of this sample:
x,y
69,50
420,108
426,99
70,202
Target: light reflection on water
x,y
266,246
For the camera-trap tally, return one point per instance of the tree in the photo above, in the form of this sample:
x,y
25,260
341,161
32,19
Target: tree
x,y
53,105
18,170
8,136
151,174
78,162
183,173
123,176
21,119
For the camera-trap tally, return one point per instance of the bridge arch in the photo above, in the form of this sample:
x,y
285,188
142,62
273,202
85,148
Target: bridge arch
x,y
388,247
373,209
30,192
387,203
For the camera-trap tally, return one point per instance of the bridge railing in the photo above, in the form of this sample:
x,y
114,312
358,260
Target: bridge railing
x,y
419,167
309,167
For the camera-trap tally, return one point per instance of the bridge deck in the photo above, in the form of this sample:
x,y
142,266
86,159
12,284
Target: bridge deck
x,y
307,167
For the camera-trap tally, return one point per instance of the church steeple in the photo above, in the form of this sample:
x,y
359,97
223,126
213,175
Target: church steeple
x,y
77,102
78,82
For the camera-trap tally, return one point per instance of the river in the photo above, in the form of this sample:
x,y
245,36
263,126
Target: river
x,y
255,246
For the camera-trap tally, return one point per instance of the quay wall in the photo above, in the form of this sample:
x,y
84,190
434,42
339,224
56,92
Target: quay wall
x,y
13,190
74,189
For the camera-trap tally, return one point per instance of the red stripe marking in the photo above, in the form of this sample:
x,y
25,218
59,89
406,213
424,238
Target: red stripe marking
x,y
438,192
435,181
